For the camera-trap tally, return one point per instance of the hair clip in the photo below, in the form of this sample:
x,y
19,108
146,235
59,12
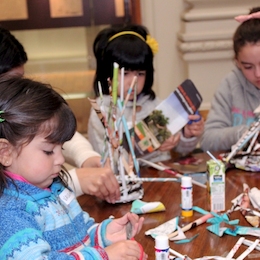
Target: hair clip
x,y
152,43
1,119
243,18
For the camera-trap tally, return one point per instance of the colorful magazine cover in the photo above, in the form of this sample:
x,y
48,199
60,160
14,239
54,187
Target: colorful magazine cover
x,y
168,118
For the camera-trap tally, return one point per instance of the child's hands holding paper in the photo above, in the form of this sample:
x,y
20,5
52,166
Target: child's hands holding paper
x,y
195,126
170,143
117,231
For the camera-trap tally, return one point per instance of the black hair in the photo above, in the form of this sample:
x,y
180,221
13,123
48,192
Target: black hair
x,y
247,32
12,53
29,108
130,51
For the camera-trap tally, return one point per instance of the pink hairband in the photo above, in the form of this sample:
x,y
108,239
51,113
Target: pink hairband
x,y
243,18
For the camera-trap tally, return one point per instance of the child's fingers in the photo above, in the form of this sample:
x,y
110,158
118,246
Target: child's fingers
x,y
196,118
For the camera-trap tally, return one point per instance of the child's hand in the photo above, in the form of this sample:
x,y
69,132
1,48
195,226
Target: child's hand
x,y
170,143
117,231
128,249
195,127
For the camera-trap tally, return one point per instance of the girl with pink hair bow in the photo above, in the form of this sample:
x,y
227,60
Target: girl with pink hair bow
x,y
238,95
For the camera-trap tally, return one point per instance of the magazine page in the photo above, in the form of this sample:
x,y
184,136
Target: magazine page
x,y
189,96
168,118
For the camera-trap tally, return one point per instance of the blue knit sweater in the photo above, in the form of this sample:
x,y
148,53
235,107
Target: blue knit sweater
x,y
39,224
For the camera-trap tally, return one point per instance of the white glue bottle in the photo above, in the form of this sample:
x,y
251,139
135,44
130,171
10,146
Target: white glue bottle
x,y
161,247
186,196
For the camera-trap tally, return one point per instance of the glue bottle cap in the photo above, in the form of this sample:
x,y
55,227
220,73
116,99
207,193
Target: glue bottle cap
x,y
161,242
186,181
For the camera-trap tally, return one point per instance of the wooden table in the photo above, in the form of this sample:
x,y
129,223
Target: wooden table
x,y
169,193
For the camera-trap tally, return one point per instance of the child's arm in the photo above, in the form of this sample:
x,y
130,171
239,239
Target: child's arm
x,y
99,182
78,150
22,238
117,231
190,135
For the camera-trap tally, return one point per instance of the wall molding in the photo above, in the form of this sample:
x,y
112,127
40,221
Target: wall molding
x,y
205,40
205,46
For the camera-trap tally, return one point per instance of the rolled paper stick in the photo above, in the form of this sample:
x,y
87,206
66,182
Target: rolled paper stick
x,y
248,250
115,83
98,109
249,243
100,91
193,224
129,141
122,84
179,255
180,175
132,130
126,100
161,168
154,179
122,172
128,94
176,253
213,157
120,126
235,248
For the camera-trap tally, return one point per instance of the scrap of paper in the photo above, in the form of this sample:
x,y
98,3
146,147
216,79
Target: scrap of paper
x,y
211,257
141,207
244,203
237,230
216,225
255,197
248,250
164,229
181,236
235,248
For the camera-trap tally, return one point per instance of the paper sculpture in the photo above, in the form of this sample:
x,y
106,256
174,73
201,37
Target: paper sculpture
x,y
245,153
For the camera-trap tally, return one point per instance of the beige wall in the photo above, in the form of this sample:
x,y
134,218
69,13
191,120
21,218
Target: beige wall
x,y
67,48
194,39
162,18
42,44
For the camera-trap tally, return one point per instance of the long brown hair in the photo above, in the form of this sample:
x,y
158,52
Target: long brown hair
x,y
247,32
29,108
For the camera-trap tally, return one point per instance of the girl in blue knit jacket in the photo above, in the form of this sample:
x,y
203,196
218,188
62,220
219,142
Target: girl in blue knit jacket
x,y
40,217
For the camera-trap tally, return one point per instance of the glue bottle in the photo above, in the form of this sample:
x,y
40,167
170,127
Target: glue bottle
x,y
186,196
161,247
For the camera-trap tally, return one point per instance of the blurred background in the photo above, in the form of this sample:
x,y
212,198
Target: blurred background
x,y
194,36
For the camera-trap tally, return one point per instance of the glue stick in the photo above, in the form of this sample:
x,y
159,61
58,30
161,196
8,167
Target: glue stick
x,y
161,247
186,197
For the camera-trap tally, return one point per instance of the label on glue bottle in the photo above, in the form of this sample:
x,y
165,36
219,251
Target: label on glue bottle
x,y
161,247
186,196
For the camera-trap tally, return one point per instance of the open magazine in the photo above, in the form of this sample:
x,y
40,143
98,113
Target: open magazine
x,y
168,118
